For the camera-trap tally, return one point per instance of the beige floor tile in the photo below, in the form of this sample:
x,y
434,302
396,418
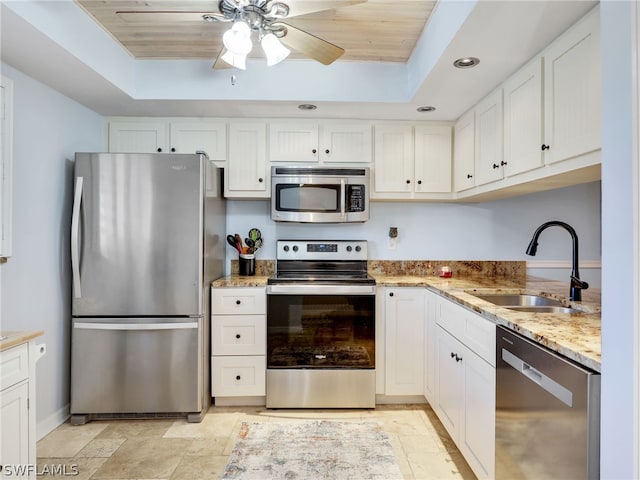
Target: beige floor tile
x,y
200,467
439,466
101,447
144,458
135,429
211,446
76,468
67,440
424,443
218,424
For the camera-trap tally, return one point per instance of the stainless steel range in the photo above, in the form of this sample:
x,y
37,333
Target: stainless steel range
x,y
321,326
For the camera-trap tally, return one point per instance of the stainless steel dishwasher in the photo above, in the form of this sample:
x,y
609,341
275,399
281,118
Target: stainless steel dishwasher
x,y
547,413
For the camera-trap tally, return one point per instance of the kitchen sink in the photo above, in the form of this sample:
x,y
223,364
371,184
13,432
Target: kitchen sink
x,y
519,300
543,309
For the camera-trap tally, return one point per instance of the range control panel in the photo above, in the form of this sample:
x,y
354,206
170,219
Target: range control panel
x,y
321,250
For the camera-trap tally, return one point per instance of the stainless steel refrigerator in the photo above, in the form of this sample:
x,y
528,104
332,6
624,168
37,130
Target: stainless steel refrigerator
x,y
147,239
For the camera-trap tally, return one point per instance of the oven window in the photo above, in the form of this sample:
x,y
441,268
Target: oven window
x,y
320,331
307,198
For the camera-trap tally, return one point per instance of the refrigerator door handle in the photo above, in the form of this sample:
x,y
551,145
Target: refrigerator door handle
x,y
135,326
75,238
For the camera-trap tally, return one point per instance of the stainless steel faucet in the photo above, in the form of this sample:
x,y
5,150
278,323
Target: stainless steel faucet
x,y
577,285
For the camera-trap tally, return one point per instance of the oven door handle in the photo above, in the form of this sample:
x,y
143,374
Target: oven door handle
x,y
314,289
343,199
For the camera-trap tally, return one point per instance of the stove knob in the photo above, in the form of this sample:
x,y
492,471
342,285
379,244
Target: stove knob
x,y
295,248
348,248
286,248
358,248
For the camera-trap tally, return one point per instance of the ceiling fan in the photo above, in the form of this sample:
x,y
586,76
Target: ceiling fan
x,y
265,17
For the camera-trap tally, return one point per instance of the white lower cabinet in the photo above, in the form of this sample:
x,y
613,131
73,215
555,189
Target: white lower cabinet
x,y
430,389
404,346
238,342
465,385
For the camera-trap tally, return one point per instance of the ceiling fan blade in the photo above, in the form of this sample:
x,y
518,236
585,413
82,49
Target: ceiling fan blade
x,y
162,16
304,7
312,46
220,64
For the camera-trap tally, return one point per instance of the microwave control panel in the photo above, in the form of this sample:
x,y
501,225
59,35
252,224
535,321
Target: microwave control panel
x,y
355,198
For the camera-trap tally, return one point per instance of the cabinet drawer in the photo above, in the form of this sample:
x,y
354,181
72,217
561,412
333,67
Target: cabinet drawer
x,y
238,376
238,334
14,365
238,301
477,333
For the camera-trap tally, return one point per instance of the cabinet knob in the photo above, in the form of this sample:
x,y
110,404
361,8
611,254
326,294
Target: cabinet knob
x,y
260,180
238,302
453,354
495,165
327,151
469,175
408,182
237,335
314,151
545,147
173,149
391,294
237,377
419,182
503,163
159,149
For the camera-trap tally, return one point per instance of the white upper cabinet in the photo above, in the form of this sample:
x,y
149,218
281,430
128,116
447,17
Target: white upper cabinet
x,y
523,119
488,139
138,137
247,173
572,95
393,163
208,137
432,150
464,152
326,142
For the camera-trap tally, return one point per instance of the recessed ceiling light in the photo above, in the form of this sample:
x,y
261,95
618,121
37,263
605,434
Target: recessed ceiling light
x,y
466,62
426,109
307,106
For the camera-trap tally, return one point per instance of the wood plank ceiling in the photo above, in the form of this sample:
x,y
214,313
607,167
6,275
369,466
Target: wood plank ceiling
x,y
378,30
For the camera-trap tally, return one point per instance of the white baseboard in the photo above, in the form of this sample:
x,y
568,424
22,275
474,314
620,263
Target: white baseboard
x,y
53,421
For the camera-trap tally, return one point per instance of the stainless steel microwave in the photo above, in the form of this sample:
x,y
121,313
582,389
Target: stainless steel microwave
x,y
319,194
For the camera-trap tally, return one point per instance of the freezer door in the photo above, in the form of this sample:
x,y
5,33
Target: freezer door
x,y
137,234
136,365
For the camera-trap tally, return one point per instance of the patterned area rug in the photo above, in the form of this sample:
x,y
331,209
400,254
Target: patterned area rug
x,y
313,450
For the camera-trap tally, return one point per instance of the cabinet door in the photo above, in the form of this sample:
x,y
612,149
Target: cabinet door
x,y
393,164
209,137
572,91
430,348
404,335
477,431
246,173
523,119
464,152
346,143
488,141
14,418
293,142
449,382
137,137
432,159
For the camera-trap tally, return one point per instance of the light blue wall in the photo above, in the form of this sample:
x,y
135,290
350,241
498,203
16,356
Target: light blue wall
x,y
619,291
35,288
498,230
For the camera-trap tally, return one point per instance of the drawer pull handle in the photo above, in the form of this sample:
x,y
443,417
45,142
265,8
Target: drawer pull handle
x,y
238,302
237,377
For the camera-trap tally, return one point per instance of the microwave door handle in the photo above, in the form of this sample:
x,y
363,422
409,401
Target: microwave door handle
x,y
343,199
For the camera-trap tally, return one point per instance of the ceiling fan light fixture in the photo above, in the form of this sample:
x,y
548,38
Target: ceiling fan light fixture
x,y
274,50
238,61
238,38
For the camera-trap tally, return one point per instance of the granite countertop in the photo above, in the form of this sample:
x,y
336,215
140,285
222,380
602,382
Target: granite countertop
x,y
10,339
576,336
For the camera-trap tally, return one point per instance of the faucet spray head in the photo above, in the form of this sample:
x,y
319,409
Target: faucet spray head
x,y
532,249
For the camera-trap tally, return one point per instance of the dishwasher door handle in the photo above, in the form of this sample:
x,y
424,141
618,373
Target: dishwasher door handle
x,y
554,388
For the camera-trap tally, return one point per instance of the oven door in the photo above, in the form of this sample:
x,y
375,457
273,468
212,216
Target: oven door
x,y
320,326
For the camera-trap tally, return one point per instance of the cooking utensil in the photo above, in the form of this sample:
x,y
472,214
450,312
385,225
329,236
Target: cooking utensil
x,y
238,239
255,234
257,244
250,243
231,240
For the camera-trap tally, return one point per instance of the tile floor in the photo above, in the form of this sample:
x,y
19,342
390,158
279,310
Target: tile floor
x,y
176,450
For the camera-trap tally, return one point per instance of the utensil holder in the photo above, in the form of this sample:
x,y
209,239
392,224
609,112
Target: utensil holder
x,y
247,264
